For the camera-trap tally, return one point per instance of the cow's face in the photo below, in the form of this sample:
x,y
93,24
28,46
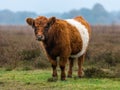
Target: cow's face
x,y
41,26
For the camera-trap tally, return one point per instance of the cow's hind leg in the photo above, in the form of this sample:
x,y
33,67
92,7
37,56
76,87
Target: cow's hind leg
x,y
62,64
71,62
80,63
54,66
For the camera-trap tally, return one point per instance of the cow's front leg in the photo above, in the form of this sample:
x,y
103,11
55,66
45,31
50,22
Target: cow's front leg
x,y
62,64
54,73
54,66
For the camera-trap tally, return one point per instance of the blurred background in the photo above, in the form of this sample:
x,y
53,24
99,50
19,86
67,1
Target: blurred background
x,y
95,11
20,50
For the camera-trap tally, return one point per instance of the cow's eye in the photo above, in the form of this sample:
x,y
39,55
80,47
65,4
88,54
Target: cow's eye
x,y
46,28
35,29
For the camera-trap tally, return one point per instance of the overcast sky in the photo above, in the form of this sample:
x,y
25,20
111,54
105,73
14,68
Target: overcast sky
x,y
46,6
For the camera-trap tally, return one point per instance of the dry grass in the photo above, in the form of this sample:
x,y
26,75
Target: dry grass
x,y
19,49
105,44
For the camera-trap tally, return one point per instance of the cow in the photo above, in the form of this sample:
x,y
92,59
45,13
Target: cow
x,y
67,39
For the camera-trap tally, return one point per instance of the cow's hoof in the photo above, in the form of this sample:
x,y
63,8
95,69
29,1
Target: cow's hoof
x,y
63,80
69,76
53,79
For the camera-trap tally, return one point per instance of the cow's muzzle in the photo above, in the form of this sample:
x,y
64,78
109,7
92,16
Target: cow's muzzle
x,y
40,37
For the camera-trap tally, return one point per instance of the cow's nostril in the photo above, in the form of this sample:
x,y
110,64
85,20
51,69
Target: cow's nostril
x,y
40,37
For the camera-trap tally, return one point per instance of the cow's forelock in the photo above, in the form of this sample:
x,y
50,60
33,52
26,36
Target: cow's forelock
x,y
39,28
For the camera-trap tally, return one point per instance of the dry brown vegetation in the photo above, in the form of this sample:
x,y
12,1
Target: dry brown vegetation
x,y
20,50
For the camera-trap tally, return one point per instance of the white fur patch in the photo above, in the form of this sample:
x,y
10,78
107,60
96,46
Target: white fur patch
x,y
84,35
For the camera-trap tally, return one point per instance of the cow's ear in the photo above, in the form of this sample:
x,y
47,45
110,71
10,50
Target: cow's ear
x,y
51,20
30,21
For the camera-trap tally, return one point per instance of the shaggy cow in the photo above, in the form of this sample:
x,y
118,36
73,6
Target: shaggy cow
x,y
67,39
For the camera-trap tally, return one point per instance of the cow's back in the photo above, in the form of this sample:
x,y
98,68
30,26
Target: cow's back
x,y
84,22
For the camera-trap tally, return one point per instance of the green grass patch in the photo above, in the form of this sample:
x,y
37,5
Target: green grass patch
x,y
37,80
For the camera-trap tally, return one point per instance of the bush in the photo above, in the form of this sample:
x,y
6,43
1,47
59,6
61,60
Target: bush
x,y
110,59
19,49
30,54
41,63
95,73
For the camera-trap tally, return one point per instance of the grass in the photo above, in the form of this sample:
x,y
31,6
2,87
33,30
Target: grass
x,y
37,80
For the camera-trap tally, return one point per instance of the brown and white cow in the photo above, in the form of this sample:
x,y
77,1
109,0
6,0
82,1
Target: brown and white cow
x,y
67,39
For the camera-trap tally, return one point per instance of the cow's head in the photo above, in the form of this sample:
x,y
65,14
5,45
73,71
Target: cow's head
x,y
41,25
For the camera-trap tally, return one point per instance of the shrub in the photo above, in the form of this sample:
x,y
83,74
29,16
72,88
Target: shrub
x,y
19,49
41,63
95,73
30,54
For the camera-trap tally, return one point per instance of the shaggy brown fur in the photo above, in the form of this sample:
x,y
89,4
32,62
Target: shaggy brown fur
x,y
60,39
